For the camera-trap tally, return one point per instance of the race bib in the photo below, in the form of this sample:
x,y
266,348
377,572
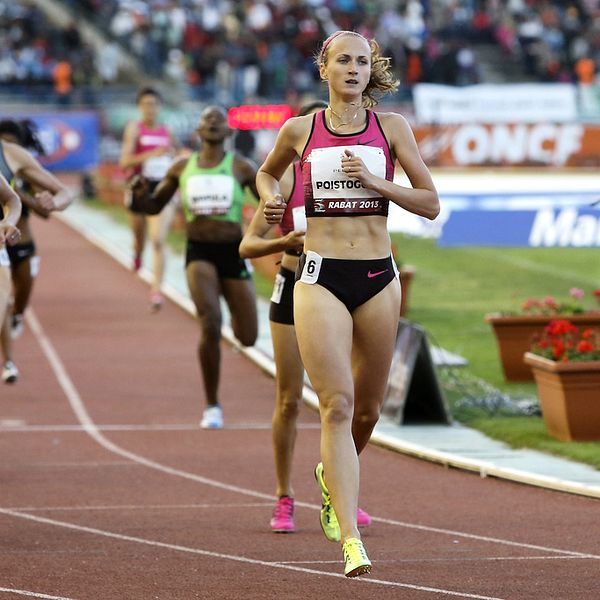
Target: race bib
x,y
156,168
312,268
4,260
210,194
278,288
299,218
328,179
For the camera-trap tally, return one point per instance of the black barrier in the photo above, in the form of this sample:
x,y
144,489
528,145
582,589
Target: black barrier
x,y
414,393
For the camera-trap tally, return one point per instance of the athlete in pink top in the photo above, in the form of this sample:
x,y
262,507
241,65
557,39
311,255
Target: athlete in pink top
x,y
149,149
342,204
289,375
347,299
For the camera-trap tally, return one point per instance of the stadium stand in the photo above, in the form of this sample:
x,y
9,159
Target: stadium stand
x,y
236,51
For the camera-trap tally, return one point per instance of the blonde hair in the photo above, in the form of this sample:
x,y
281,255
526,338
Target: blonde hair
x,y
382,80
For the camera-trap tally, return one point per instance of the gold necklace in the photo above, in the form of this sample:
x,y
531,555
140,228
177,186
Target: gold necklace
x,y
341,123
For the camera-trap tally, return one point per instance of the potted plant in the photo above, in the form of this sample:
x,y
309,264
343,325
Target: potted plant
x,y
514,331
566,365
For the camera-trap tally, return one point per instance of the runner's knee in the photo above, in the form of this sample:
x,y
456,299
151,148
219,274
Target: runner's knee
x,y
287,406
366,417
335,408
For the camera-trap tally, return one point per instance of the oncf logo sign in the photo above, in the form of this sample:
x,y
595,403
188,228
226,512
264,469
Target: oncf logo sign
x,y
543,143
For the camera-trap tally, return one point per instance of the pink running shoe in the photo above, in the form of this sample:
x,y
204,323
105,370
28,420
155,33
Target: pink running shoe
x,y
363,518
137,263
156,301
283,516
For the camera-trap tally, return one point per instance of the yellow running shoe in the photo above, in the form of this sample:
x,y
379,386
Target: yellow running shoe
x,y
356,561
329,522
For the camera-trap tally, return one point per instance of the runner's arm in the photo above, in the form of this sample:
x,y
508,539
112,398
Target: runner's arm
x,y
11,207
420,199
153,203
53,194
272,170
255,242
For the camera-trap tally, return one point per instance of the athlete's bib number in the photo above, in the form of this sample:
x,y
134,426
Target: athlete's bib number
x,y
312,268
299,218
4,260
328,179
156,168
210,194
278,288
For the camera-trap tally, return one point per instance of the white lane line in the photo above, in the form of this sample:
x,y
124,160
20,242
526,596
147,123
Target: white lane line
x,y
381,561
237,558
137,507
484,538
20,428
91,429
32,594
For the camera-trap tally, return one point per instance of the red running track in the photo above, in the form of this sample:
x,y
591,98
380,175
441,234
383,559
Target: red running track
x,y
109,490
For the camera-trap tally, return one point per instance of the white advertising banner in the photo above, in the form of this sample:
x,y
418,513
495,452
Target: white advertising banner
x,y
492,103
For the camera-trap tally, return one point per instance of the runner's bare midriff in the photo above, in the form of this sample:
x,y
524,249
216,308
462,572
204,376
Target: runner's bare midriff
x,y
203,229
348,237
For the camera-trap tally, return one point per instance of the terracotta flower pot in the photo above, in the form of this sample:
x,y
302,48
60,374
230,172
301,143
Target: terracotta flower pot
x,y
514,334
569,395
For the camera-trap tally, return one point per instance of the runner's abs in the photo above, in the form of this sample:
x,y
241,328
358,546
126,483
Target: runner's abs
x,y
348,237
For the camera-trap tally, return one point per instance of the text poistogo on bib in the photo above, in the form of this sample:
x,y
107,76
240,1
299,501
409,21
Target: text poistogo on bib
x,y
210,194
328,179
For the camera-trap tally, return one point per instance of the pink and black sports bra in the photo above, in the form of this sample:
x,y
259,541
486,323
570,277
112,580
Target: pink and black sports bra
x,y
328,192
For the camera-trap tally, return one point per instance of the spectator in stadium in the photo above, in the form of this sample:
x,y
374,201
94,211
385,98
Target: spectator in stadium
x,y
211,182
347,298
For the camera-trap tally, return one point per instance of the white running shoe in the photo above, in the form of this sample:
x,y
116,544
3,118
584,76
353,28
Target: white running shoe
x,y
16,326
212,418
10,373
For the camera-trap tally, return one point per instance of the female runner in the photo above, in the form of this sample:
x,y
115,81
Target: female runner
x,y
149,149
211,184
10,211
289,373
347,299
19,167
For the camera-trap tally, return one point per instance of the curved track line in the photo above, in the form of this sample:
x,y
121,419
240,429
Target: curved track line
x,y
32,594
236,558
91,429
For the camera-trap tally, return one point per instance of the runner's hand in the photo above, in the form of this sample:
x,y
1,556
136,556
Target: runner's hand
x,y
274,209
45,201
139,186
354,167
9,234
294,240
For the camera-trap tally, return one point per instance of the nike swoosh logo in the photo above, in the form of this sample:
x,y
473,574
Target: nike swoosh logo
x,y
371,275
359,143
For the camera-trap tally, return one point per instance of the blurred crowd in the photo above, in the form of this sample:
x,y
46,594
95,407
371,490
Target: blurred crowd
x,y
239,50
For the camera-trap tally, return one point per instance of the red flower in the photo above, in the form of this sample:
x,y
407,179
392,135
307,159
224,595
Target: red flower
x,y
558,349
562,341
585,346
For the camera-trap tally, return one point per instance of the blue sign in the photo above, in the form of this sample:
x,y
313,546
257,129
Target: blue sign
x,y
71,139
547,227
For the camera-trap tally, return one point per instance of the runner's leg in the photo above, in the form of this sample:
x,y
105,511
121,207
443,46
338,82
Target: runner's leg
x,y
325,342
203,283
289,380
